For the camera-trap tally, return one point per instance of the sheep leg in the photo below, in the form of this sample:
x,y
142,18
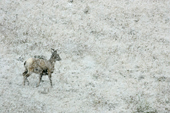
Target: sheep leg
x,y
40,79
25,75
49,76
25,78
27,81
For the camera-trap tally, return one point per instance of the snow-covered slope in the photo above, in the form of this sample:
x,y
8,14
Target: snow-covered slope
x,y
115,55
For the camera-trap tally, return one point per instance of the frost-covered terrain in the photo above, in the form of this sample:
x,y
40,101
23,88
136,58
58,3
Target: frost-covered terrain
x,y
115,55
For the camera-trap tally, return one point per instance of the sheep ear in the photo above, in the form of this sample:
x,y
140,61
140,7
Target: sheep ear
x,y
52,50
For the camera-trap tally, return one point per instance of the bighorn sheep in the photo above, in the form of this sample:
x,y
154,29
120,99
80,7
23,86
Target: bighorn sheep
x,y
40,66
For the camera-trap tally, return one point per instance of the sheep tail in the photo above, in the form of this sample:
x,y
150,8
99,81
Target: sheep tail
x,y
24,63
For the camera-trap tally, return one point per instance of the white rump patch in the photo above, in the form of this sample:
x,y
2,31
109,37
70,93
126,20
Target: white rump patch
x,y
30,61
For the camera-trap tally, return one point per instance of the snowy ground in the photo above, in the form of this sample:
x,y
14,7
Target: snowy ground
x,y
115,55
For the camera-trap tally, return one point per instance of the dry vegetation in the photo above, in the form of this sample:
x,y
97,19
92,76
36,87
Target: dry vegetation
x,y
115,55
